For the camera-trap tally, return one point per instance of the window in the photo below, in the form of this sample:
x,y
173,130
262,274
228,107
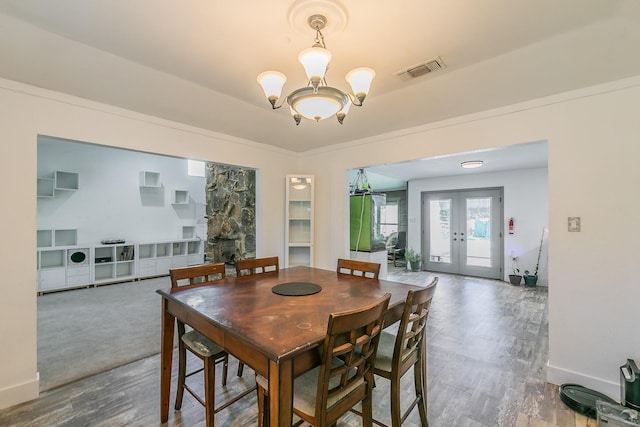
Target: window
x,y
389,218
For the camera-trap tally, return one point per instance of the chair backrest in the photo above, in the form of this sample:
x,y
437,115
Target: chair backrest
x,y
348,356
247,267
370,270
411,331
198,275
401,243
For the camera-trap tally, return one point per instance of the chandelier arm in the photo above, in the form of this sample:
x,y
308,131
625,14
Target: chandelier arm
x,y
275,105
354,100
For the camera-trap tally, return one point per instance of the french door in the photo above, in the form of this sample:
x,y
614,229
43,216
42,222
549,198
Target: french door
x,y
462,232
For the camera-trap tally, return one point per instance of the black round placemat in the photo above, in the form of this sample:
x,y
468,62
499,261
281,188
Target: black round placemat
x,y
296,289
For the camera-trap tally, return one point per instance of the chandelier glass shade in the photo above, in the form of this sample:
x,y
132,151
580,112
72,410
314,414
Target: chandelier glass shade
x,y
317,101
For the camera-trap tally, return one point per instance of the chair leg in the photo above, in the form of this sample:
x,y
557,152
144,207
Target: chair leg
x,y
240,368
367,408
182,371
419,377
395,400
209,390
261,407
225,369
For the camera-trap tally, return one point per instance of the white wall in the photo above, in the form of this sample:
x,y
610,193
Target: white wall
x,y
593,142
525,199
109,202
25,113
593,146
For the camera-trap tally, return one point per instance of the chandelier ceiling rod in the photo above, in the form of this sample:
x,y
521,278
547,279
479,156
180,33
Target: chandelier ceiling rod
x,y
317,100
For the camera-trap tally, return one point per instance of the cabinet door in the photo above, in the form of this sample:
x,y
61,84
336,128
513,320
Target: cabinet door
x,y
52,278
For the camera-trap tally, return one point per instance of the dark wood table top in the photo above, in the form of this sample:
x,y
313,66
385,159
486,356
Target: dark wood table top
x,y
283,326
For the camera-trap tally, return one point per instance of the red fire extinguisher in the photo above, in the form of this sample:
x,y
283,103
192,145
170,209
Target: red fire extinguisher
x,y
511,226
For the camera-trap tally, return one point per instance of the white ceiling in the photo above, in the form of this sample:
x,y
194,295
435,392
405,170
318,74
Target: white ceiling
x,y
394,176
196,61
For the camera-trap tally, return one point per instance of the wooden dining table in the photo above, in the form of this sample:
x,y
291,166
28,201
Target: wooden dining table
x,y
277,336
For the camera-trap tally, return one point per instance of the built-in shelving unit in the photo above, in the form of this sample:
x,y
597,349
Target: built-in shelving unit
x,y
299,220
69,267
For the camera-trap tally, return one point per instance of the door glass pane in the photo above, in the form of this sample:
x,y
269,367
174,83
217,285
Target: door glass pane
x,y
440,231
479,232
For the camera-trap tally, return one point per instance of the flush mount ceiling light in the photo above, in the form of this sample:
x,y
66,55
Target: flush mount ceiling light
x,y
317,100
472,164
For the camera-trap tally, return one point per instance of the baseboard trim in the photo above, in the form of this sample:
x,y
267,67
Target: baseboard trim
x,y
19,393
559,376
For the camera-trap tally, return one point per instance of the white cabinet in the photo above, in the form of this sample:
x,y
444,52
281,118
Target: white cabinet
x,y
299,220
195,252
74,266
63,268
113,263
156,259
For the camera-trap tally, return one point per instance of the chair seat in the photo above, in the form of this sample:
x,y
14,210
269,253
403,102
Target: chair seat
x,y
197,343
306,386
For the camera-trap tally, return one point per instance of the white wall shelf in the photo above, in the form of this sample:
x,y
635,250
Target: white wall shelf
x,y
299,220
180,197
49,238
66,180
187,232
149,179
63,181
67,237
46,187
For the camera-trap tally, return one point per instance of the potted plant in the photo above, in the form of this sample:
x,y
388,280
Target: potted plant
x,y
516,277
414,259
532,279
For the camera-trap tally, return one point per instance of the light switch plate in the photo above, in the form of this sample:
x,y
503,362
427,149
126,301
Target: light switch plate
x,y
573,223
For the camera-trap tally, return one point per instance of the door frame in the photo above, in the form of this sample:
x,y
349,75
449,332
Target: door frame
x,y
424,238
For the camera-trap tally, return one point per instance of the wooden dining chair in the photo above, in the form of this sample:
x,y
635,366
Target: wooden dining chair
x,y
206,350
370,270
247,267
345,376
397,353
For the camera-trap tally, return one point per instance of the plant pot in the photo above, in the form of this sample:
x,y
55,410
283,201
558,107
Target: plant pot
x,y
415,265
530,280
515,279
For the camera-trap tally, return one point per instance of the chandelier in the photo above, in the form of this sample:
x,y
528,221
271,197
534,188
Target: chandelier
x,y
317,100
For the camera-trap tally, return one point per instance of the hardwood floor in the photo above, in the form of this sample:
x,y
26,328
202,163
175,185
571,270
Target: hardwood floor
x,y
487,350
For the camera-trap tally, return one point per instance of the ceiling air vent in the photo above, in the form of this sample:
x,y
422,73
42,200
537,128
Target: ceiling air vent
x,y
421,69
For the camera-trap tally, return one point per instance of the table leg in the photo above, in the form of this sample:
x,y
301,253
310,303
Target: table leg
x,y
281,393
166,356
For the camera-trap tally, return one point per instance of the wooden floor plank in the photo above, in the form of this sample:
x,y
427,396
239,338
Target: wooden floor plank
x,y
487,350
